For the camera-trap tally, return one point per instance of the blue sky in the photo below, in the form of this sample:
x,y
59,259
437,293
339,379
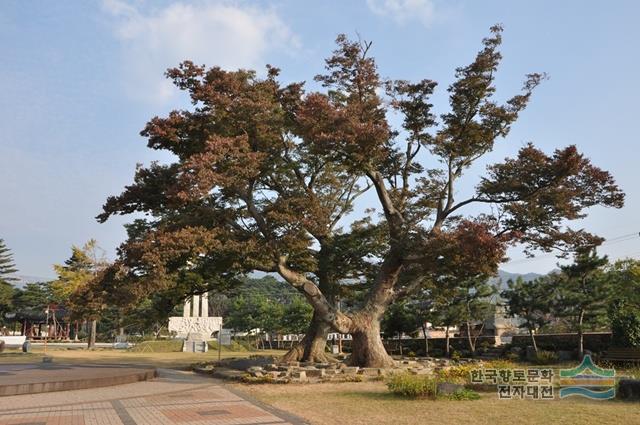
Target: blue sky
x,y
79,79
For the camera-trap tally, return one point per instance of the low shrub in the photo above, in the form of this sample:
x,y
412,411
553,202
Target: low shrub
x,y
485,346
633,372
625,325
545,358
512,357
266,379
413,386
460,374
463,394
346,378
500,364
436,352
604,364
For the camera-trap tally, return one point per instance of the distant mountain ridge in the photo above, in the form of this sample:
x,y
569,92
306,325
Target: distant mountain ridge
x,y
24,279
504,277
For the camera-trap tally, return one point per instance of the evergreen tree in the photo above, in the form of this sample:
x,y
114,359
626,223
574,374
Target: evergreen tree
x,y
33,299
257,314
7,266
582,293
624,310
76,273
529,301
400,318
6,298
297,316
463,302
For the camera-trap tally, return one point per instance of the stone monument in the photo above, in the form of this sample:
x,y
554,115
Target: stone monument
x,y
195,324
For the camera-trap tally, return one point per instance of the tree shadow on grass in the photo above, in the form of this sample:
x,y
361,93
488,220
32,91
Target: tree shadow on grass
x,y
372,395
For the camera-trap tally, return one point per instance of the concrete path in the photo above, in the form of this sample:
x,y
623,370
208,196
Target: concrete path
x,y
174,398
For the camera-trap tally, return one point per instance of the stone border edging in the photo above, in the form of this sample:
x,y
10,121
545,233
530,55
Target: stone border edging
x,y
77,384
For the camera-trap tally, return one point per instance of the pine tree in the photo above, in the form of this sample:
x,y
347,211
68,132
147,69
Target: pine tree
x,y
76,273
7,266
582,293
531,302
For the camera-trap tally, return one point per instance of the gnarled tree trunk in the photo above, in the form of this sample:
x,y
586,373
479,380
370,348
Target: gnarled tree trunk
x,y
312,347
367,349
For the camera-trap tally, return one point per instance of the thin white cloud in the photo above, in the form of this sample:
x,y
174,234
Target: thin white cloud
x,y
403,11
228,34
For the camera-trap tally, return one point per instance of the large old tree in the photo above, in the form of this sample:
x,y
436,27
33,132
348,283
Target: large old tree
x,y
266,177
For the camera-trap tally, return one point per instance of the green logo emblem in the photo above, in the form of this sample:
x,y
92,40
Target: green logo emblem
x,y
588,380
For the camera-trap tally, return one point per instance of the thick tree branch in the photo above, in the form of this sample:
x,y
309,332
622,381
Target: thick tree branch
x,y
339,321
391,213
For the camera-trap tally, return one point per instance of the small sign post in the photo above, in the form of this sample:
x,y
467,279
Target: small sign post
x,y
224,338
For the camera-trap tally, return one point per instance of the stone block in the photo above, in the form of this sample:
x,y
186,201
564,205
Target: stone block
x,y
184,326
370,371
244,364
314,373
350,370
254,369
448,388
629,389
299,375
530,353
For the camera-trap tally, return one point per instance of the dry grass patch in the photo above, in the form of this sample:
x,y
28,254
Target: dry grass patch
x,y
165,360
370,403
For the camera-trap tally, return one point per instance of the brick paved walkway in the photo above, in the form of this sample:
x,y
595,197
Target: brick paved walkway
x,y
174,398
